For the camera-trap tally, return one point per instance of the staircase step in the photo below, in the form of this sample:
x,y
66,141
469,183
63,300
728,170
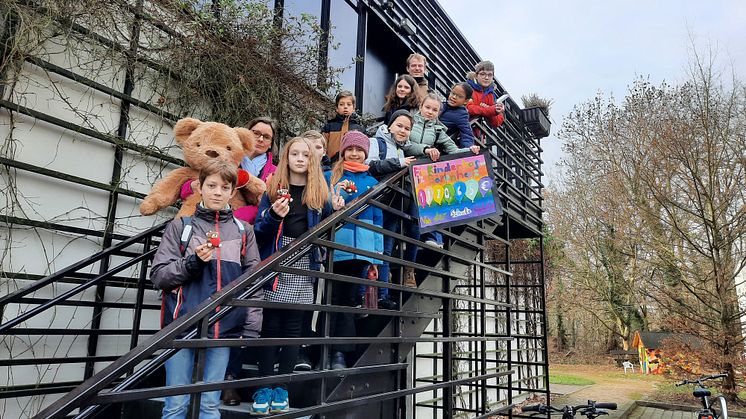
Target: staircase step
x,y
152,408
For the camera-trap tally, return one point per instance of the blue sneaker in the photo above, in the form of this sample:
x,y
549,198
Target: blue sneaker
x,y
280,401
262,400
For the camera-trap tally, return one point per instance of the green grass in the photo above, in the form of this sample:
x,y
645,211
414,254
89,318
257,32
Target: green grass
x,y
569,379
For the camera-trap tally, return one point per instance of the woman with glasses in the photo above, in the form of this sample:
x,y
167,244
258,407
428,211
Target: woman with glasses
x,y
483,99
258,163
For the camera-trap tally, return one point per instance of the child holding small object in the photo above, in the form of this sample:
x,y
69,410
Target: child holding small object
x,y
351,179
297,199
190,267
429,138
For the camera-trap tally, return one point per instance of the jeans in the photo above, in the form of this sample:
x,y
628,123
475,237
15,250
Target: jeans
x,y
179,372
433,235
390,223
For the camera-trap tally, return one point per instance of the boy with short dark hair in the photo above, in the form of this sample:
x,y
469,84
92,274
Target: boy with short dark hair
x,y
197,257
345,120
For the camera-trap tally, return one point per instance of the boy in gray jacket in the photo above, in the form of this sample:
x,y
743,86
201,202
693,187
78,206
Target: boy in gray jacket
x,y
189,267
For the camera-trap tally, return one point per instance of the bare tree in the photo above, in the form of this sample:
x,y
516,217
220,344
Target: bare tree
x,y
664,173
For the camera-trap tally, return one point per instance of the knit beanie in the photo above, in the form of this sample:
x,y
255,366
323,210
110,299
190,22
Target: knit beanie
x,y
355,138
397,114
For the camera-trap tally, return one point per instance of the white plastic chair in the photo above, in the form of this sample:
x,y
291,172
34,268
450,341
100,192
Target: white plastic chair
x,y
628,366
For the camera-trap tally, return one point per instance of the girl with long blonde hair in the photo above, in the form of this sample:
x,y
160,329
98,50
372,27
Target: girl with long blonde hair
x,y
297,199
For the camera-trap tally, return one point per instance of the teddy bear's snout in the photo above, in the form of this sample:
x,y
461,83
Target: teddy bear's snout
x,y
212,153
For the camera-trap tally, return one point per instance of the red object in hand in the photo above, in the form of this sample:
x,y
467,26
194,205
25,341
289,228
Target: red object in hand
x,y
284,193
213,238
350,187
243,178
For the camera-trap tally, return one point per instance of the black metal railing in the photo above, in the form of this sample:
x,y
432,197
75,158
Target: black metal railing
x,y
464,260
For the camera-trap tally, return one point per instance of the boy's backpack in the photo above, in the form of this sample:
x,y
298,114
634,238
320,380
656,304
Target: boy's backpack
x,y
382,147
187,230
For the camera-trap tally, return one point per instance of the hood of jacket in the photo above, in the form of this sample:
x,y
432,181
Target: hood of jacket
x,y
478,87
208,215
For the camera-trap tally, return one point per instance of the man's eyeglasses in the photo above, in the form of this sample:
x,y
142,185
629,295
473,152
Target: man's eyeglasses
x,y
457,95
485,75
261,135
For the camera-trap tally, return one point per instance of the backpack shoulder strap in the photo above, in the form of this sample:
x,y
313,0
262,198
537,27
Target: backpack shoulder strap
x,y
242,229
186,234
381,148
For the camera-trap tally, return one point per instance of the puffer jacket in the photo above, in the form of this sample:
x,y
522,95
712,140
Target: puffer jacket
x,y
268,230
187,281
385,155
456,120
430,133
486,95
353,235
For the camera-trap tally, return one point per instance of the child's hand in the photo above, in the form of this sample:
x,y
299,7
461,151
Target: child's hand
x,y
337,201
433,153
204,252
500,107
408,160
281,207
475,149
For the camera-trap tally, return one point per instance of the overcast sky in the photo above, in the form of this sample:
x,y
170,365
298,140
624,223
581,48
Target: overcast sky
x,y
569,50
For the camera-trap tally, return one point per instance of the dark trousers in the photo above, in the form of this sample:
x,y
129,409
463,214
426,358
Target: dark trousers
x,y
345,294
235,362
279,324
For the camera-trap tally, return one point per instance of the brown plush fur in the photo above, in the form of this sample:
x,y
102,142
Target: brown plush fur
x,y
202,142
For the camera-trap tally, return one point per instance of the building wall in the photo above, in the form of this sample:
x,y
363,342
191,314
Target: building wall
x,y
31,196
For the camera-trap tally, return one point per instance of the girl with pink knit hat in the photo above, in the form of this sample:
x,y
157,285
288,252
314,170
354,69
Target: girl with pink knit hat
x,y
350,178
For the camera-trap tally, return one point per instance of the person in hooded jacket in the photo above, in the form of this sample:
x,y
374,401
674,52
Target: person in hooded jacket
x,y
351,170
483,99
190,269
386,156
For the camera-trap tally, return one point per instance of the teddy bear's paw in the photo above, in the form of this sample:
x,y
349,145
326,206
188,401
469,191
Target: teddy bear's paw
x,y
148,207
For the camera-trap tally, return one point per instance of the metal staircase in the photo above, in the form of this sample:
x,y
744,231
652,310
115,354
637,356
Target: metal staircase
x,y
412,361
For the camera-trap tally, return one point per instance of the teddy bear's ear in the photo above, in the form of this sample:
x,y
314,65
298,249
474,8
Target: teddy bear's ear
x,y
184,128
247,139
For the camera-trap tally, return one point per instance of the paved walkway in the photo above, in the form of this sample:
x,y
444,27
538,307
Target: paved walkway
x,y
646,412
654,410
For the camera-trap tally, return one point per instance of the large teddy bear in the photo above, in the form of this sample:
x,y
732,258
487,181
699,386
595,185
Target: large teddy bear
x,y
202,142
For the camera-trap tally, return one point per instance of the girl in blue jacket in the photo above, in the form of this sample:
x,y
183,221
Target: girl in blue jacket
x,y
455,117
351,170
297,199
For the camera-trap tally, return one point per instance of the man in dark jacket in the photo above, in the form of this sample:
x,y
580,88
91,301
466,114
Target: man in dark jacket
x,y
189,267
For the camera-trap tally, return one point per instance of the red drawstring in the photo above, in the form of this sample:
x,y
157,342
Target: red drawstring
x,y
276,281
219,286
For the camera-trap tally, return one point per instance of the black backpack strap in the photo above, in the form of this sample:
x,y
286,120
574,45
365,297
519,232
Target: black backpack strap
x,y
186,234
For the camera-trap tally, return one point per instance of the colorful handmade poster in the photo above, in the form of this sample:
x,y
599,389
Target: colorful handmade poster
x,y
455,190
